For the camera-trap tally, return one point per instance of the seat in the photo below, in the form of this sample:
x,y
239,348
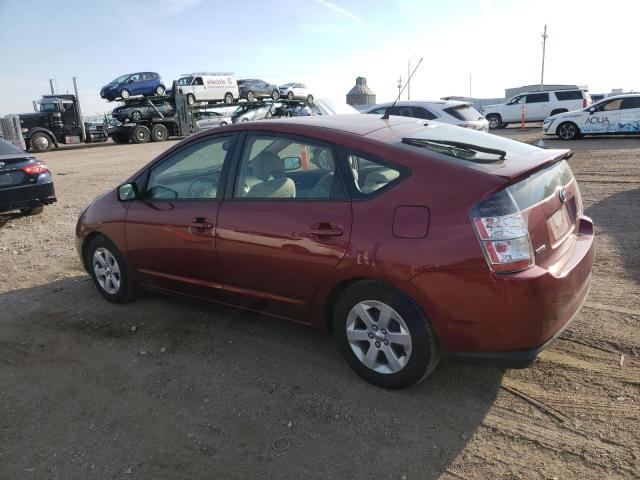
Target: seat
x,y
269,168
379,179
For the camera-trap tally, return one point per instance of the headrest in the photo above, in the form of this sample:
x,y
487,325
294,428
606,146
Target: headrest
x,y
268,164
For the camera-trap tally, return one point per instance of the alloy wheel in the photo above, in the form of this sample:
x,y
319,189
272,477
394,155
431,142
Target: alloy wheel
x,y
567,131
379,337
106,270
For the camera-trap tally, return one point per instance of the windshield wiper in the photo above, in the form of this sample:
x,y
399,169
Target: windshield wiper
x,y
468,147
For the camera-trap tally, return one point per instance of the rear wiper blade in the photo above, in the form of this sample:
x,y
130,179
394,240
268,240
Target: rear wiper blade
x,y
422,142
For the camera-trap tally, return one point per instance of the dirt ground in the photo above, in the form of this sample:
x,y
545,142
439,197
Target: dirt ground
x,y
167,388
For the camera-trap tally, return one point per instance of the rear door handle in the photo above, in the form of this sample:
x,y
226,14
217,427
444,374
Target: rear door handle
x,y
324,231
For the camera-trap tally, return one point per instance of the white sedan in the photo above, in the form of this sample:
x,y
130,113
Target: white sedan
x,y
618,115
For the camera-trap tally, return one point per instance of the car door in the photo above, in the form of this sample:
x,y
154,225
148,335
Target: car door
x,y
284,224
200,89
170,230
602,118
512,111
536,106
629,115
134,84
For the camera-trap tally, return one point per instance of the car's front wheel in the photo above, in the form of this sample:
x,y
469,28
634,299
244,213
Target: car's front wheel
x,y
109,271
250,96
310,100
160,90
495,121
568,131
384,335
191,99
290,95
136,115
228,98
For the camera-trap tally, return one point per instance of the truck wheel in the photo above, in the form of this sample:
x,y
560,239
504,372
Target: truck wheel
x,y
275,95
159,133
250,97
160,90
191,99
120,138
136,116
125,93
140,134
40,142
228,98
495,121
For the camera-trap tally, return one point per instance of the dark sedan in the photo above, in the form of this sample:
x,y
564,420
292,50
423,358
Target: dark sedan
x,y
25,181
253,89
134,112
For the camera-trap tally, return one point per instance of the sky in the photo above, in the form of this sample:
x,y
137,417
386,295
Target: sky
x,y
324,43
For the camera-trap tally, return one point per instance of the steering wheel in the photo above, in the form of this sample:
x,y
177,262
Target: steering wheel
x,y
202,188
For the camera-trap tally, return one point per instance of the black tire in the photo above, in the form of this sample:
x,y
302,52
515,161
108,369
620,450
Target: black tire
x,y
557,111
310,100
568,131
140,134
504,125
251,97
159,133
127,290
40,142
495,121
124,93
120,138
32,210
191,100
275,95
424,354
136,115
228,98
290,95
160,90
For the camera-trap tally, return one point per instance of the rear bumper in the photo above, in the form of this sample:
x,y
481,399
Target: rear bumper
x,y
26,196
508,319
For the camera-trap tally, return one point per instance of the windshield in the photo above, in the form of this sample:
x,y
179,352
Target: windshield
x,y
463,112
185,81
48,107
119,79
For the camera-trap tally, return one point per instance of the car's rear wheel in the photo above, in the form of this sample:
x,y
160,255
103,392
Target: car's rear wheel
x,y
384,335
275,95
110,273
140,134
310,100
290,95
250,96
191,99
568,131
125,93
495,121
160,90
228,98
40,142
32,210
136,115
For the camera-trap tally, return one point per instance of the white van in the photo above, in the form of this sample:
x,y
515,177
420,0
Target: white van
x,y
209,87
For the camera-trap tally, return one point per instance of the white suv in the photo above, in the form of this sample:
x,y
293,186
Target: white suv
x,y
453,112
536,106
296,91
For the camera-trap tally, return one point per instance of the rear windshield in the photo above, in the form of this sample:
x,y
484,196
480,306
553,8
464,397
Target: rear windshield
x,y
7,148
541,185
464,112
569,95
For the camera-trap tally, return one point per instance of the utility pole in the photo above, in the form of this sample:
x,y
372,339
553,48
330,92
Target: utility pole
x,y
399,85
544,45
53,91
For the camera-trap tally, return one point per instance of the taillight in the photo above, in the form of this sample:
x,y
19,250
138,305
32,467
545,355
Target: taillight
x,y
35,168
503,234
584,103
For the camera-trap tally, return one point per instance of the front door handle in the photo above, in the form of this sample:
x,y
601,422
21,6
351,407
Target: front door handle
x,y
324,231
200,226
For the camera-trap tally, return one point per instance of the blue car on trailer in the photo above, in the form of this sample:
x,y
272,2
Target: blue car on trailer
x,y
133,84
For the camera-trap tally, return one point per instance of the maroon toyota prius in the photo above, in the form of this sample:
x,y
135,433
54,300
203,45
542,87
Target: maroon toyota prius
x,y
408,240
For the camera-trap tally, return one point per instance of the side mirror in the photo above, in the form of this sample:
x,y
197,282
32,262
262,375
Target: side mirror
x,y
592,110
127,192
292,163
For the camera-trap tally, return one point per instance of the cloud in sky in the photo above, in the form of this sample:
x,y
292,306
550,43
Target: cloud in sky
x,y
338,9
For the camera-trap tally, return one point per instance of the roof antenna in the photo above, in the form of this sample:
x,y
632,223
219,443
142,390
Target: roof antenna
x,y
388,110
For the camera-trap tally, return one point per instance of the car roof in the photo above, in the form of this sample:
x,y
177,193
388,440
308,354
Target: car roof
x,y
422,103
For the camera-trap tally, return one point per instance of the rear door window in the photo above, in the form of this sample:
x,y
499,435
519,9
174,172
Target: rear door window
x,y
631,102
464,112
569,95
537,97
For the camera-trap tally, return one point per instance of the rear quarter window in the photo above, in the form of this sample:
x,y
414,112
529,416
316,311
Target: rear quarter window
x,y
569,95
464,112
